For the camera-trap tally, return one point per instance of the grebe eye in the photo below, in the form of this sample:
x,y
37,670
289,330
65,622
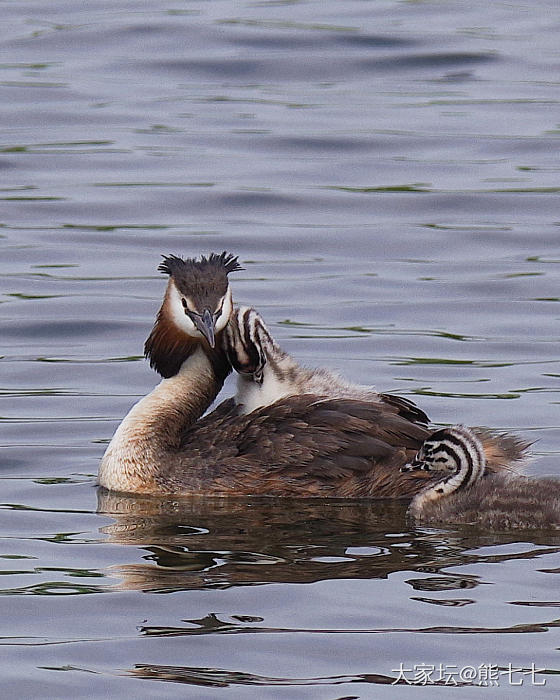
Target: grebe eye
x,y
188,311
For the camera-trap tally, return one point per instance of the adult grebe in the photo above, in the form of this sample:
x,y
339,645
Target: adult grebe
x,y
468,493
185,347
312,444
304,445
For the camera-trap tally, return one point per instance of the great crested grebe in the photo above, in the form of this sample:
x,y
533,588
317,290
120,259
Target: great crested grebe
x,y
308,442
467,493
185,348
347,445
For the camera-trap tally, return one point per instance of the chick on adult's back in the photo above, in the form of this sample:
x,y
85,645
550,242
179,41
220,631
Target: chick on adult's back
x,y
268,375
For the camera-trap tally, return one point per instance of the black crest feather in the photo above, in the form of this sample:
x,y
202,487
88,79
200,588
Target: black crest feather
x,y
173,264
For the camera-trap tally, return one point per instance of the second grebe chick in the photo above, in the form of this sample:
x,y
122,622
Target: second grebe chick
x,y
468,493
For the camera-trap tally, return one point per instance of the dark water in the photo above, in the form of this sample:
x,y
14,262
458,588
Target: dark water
x,y
388,174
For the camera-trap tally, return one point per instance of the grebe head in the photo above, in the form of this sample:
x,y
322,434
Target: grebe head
x,y
196,307
199,293
447,451
248,343
266,373
456,455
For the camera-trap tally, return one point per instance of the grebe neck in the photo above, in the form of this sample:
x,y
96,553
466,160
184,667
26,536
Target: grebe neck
x,y
152,429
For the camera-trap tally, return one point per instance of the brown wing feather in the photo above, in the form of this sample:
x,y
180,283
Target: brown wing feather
x,y
405,408
305,446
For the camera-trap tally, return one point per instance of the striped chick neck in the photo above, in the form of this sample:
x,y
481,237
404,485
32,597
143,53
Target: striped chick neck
x,y
266,373
455,453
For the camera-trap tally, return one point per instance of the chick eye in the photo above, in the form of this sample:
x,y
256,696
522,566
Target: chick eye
x,y
184,302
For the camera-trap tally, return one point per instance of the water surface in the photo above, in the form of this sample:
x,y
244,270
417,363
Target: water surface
x,y
388,174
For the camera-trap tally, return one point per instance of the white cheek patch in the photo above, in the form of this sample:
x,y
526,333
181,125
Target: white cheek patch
x,y
251,395
177,312
227,307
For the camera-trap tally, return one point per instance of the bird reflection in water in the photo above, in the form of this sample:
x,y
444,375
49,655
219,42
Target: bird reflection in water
x,y
207,542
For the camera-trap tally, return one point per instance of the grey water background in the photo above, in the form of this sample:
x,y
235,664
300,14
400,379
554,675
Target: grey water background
x,y
388,174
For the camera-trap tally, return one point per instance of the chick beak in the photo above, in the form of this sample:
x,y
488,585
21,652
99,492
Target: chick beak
x,y
205,324
413,466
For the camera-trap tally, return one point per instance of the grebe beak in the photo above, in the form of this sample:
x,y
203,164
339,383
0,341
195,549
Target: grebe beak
x,y
205,324
413,466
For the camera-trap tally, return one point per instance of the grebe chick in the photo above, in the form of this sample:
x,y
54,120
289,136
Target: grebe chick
x,y
267,374
468,493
